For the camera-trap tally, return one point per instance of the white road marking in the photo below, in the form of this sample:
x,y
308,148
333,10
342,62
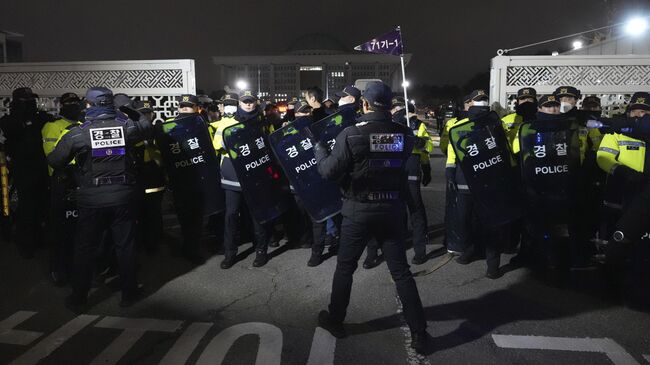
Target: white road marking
x,y
323,347
10,336
44,348
412,357
609,347
186,344
647,358
268,353
133,329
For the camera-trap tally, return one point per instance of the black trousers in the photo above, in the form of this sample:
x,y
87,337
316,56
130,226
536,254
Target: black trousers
x,y
120,220
418,216
31,212
234,205
474,237
63,222
385,223
311,230
150,226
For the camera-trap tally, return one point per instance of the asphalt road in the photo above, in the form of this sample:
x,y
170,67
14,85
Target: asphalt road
x,y
267,315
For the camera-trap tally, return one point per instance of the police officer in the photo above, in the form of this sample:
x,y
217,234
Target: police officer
x,y
623,156
152,179
245,110
467,229
418,168
62,186
188,210
103,148
568,97
22,130
372,206
525,109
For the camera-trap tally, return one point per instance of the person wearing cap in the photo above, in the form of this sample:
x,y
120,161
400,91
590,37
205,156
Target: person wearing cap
x,y
104,150
622,155
372,206
568,97
153,182
28,167
62,186
238,109
466,228
330,104
418,168
525,109
190,215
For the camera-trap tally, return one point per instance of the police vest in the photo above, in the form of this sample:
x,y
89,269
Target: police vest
x,y
619,149
52,132
110,160
389,146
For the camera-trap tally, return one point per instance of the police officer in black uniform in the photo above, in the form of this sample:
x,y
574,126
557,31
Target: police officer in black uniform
x,y
103,148
24,147
369,161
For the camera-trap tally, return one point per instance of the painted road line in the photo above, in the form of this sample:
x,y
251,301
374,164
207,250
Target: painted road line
x,y
10,336
186,344
270,348
412,357
323,347
133,330
647,358
609,347
52,342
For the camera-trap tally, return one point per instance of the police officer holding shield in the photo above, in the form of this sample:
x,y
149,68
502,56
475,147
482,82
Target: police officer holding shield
x,y
369,161
103,148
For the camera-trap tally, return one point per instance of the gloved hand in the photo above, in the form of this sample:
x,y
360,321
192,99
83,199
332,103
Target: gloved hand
x,y
627,174
426,174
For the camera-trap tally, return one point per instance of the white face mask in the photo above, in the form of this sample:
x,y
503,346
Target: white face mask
x,y
565,107
346,100
480,103
229,109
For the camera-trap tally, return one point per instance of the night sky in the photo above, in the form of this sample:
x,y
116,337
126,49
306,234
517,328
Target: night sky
x,y
450,40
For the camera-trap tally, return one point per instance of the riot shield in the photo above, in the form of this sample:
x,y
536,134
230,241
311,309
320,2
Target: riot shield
x,y
191,164
260,178
326,129
295,153
483,153
550,163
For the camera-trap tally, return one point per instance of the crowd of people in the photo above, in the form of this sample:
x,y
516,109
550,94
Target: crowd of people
x,y
557,184
568,187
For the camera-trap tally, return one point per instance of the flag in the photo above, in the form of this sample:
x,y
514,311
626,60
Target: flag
x,y
389,43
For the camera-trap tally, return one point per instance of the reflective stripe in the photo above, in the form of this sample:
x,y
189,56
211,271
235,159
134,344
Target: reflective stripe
x,y
231,183
609,150
154,190
450,165
631,143
413,178
612,205
464,187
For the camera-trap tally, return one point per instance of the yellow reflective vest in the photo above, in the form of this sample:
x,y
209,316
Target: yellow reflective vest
x,y
444,137
52,133
618,149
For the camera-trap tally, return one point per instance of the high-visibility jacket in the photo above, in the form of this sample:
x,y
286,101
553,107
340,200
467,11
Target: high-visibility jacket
x,y
618,149
52,133
444,137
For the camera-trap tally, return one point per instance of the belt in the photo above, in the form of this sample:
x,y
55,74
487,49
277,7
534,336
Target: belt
x,y
379,196
110,180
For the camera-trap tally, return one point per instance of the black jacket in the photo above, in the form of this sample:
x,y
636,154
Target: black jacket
x,y
350,160
24,146
77,145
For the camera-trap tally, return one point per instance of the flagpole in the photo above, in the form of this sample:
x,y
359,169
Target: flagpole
x,y
406,100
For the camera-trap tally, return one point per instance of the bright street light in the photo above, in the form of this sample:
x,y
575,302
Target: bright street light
x,y
406,84
636,26
241,85
555,53
577,44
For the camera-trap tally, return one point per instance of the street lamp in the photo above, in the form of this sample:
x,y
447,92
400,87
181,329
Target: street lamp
x,y
406,84
636,26
241,85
